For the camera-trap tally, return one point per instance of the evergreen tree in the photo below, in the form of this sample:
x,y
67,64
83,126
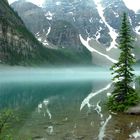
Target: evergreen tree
x,y
123,94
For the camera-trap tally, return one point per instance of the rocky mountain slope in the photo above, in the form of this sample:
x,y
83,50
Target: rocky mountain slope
x,y
16,42
19,46
94,23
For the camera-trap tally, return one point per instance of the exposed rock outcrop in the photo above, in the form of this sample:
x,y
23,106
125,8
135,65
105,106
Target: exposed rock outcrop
x,y
134,110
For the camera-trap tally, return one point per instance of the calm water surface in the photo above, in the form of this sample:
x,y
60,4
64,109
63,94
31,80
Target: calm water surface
x,y
63,104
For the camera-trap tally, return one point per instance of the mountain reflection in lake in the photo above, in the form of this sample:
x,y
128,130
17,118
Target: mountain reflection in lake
x,y
48,102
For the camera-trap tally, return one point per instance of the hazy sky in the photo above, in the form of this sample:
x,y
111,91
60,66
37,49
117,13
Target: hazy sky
x,y
37,2
132,4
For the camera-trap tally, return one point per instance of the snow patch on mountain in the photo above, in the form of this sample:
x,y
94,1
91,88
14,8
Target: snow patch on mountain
x,y
98,35
41,38
130,20
91,20
58,3
101,21
37,35
137,30
74,19
87,32
112,32
45,42
86,44
116,14
49,15
49,30
71,13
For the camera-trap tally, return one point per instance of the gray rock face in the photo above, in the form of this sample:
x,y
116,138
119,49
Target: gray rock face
x,y
89,18
86,16
63,34
134,110
32,15
83,15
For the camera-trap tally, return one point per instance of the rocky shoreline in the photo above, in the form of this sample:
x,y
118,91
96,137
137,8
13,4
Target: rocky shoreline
x,y
135,110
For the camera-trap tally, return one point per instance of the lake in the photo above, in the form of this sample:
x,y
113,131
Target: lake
x,y
63,104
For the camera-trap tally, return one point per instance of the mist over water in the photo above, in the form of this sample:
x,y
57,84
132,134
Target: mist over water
x,y
56,74
14,74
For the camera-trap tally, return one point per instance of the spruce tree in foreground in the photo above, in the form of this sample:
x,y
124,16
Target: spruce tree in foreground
x,y
123,94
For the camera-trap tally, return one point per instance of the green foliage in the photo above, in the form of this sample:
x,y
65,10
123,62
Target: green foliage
x,y
130,100
27,34
123,94
7,137
64,56
7,117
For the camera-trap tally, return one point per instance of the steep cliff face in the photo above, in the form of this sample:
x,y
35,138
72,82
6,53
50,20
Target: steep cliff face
x,y
99,20
58,32
92,18
17,44
64,35
32,15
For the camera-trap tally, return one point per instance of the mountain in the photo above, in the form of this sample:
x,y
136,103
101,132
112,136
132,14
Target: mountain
x,y
16,42
32,15
63,33
18,46
93,23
